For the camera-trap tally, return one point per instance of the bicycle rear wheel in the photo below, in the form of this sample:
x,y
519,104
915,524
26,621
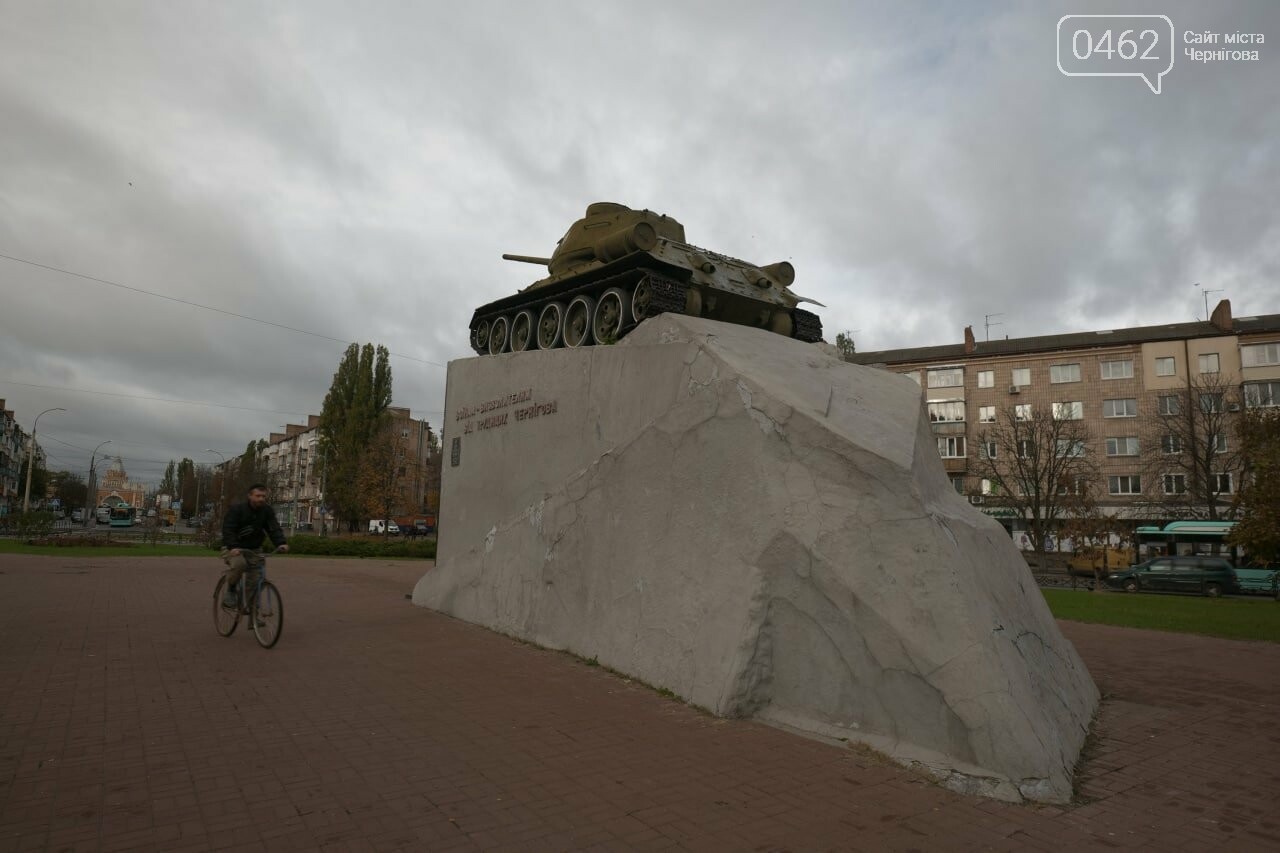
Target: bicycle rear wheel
x,y
267,614
225,619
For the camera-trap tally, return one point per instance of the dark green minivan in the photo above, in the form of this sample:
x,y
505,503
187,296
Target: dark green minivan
x,y
1210,576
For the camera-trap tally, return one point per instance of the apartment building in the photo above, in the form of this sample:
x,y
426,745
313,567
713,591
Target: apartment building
x,y
13,449
1124,385
297,489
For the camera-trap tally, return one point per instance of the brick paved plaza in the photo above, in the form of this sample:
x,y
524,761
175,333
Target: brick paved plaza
x,y
126,723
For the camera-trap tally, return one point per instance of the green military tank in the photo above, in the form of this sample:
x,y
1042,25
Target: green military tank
x,y
615,267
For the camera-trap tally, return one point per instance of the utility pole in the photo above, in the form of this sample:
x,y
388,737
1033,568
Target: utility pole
x,y
91,498
31,460
222,480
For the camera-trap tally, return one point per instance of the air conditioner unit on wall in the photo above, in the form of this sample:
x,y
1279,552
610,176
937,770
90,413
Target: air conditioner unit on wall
x,y
976,500
1014,389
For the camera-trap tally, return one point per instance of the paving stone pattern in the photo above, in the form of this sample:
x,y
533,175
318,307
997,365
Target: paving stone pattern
x,y
126,723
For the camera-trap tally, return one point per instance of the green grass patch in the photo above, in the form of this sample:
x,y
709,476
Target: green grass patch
x,y
1232,618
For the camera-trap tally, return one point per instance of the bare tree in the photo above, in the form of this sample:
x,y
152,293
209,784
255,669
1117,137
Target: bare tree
x,y
1191,450
1259,528
1036,462
383,475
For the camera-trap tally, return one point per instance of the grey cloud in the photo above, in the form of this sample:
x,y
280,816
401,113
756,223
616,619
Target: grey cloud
x,y
359,175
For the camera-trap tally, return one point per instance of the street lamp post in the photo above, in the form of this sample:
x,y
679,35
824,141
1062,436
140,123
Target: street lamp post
x,y
91,496
31,459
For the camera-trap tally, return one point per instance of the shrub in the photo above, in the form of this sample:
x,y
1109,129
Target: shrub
x,y
361,547
32,524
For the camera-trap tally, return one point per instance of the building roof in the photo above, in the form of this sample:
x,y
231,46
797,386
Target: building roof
x,y
1073,340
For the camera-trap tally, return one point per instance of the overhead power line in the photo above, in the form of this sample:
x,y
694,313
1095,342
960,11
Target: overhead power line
x,y
154,399
203,307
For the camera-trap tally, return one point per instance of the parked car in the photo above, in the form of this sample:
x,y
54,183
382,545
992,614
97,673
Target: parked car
x,y
378,525
77,516
1210,576
102,515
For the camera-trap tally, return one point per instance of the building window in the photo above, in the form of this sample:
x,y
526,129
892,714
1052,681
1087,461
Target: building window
x,y
957,483
404,433
1221,484
1209,362
986,379
1021,377
1169,405
1260,355
1125,484
1025,448
1127,446
1068,411
1211,404
1219,442
946,411
1069,448
1120,408
1117,369
951,446
1170,444
1261,395
1059,373
1022,412
914,376
988,450
1073,487
1175,484
986,414
946,377
1166,366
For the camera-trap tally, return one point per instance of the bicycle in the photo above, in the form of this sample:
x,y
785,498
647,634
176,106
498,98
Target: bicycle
x,y
264,608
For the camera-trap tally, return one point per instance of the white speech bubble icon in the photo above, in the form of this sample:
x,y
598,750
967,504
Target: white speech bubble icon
x,y
1117,46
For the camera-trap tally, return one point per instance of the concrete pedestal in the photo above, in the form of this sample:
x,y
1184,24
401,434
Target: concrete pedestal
x,y
766,531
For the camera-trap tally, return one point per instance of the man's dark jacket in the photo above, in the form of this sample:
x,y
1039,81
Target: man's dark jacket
x,y
244,526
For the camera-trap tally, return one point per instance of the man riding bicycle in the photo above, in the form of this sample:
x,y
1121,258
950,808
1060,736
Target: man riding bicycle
x,y
246,525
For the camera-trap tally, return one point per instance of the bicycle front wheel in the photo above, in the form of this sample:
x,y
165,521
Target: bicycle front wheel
x,y
267,614
225,619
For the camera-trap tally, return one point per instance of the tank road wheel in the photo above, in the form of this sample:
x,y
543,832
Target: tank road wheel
x,y
641,299
522,331
610,316
550,325
577,321
480,337
498,335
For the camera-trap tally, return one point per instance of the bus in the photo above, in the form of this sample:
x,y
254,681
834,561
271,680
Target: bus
x,y
1207,538
122,516
1187,538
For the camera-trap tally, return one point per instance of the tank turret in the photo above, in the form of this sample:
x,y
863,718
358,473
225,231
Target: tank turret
x,y
617,266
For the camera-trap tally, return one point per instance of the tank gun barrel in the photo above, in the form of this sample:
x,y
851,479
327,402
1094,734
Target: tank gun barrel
x,y
527,259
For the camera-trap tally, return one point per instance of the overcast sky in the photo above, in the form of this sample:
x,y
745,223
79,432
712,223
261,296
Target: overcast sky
x,y
357,170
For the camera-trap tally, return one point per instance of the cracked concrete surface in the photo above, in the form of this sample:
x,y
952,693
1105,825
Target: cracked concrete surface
x,y
767,532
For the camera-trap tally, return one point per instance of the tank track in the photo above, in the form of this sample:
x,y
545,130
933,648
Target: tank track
x,y
808,326
668,296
